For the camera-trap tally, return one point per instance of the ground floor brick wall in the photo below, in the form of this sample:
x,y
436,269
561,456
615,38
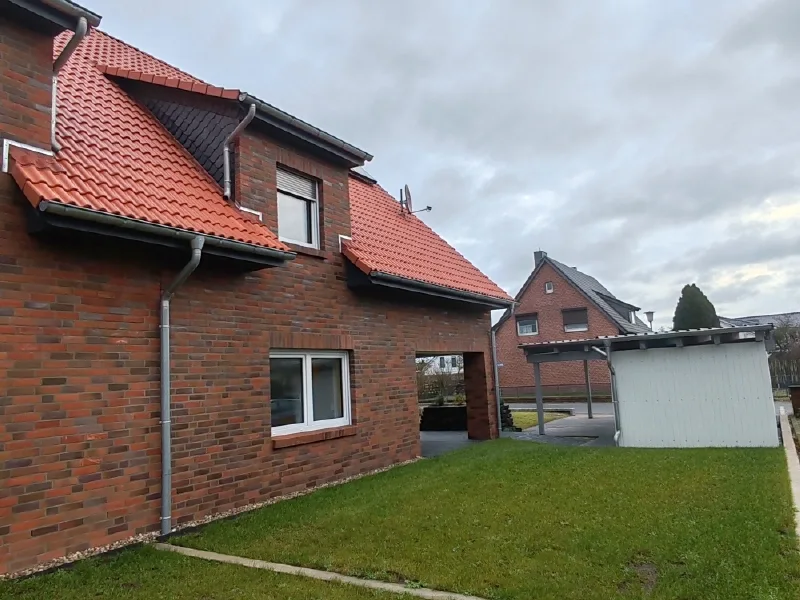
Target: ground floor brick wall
x,y
79,397
516,374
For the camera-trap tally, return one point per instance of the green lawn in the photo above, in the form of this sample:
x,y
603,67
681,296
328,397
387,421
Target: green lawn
x,y
518,520
148,574
530,418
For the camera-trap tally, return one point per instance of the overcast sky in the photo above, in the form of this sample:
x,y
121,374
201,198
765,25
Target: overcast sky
x,y
649,143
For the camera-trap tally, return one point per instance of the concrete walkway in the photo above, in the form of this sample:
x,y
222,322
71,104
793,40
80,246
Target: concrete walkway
x,y
578,430
435,443
396,588
793,463
577,408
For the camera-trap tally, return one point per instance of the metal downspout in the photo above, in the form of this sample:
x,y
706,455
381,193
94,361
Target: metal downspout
x,y
166,424
496,384
226,151
614,400
58,63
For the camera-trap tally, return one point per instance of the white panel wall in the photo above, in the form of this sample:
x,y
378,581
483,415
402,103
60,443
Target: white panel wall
x,y
696,396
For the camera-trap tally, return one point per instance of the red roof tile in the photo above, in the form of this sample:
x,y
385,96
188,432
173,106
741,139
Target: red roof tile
x,y
116,158
183,84
388,241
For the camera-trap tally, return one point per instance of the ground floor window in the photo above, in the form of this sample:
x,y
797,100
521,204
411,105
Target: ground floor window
x,y
309,390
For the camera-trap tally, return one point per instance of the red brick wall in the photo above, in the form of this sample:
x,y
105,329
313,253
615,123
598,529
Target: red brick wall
x,y
79,399
516,372
26,70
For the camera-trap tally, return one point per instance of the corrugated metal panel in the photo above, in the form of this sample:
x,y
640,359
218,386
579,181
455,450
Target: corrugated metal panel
x,y
697,396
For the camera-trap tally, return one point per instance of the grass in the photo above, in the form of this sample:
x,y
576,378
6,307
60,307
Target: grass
x,y
530,418
517,520
149,574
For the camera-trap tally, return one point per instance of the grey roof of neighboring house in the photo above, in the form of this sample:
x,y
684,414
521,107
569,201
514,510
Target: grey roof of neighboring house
x,y
589,287
595,291
792,319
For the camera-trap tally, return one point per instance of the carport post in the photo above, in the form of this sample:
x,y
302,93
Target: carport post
x,y
588,386
537,374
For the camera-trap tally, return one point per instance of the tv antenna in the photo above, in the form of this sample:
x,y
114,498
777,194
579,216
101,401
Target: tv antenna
x,y
405,202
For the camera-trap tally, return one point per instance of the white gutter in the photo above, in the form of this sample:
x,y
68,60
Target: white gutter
x,y
166,385
226,151
496,384
614,400
74,42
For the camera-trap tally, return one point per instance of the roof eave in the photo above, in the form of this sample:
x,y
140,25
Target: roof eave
x,y
638,337
347,153
627,305
55,15
389,280
267,256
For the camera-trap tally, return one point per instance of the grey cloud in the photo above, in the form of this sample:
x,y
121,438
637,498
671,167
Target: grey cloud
x,y
622,137
770,23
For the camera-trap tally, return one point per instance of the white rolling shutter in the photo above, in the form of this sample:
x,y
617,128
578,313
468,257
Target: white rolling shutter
x,y
297,185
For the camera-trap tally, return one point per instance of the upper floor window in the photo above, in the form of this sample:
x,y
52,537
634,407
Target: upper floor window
x,y
632,316
298,209
528,325
575,319
309,390
548,287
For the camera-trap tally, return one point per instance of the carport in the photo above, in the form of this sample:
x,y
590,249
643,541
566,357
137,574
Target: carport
x,y
662,382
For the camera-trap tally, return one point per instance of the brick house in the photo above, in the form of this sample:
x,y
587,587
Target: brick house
x,y
251,329
558,302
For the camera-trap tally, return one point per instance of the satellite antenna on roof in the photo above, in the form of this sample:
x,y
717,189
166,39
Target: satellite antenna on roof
x,y
405,202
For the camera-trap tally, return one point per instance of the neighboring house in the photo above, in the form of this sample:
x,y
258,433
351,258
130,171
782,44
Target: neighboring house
x,y
784,363
559,302
791,319
442,364
292,346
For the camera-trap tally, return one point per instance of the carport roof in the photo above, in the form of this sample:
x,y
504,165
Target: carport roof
x,y
565,350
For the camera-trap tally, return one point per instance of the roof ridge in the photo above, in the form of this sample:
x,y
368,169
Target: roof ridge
x,y
148,55
194,87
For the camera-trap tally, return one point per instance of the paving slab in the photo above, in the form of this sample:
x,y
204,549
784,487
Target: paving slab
x,y
436,443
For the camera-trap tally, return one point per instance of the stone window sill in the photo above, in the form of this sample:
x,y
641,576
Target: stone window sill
x,y
306,251
310,437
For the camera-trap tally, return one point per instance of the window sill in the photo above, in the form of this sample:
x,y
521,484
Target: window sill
x,y
305,250
310,437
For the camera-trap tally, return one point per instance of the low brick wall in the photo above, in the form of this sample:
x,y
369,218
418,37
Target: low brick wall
x,y
444,418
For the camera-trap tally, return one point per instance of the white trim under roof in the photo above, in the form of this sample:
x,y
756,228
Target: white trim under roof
x,y
7,149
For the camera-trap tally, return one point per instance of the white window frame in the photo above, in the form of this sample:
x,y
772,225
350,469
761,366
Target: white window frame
x,y
308,399
632,315
523,319
548,287
314,203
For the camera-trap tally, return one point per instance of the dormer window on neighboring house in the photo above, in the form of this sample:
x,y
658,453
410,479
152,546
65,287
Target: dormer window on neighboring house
x,y
575,319
548,287
632,316
298,209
